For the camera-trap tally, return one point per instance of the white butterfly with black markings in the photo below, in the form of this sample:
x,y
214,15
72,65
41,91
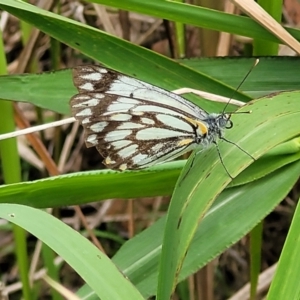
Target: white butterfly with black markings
x,y
134,124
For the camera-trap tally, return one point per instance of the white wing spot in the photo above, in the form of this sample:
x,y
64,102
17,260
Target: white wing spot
x,y
125,86
157,147
85,113
154,108
147,121
128,151
128,100
82,97
98,127
120,144
157,133
120,107
120,117
85,121
117,135
92,76
147,161
102,70
136,159
130,125
89,103
174,122
99,95
87,86
92,139
137,113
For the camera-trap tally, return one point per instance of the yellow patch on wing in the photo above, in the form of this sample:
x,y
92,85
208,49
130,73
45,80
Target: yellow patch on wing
x,y
198,124
108,161
123,167
185,142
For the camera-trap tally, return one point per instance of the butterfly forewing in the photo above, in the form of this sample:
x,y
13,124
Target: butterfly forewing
x,y
131,123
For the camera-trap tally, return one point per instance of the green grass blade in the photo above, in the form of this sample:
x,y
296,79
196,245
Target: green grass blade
x,y
261,48
235,212
147,66
285,284
80,188
85,187
272,121
91,264
264,78
198,16
11,172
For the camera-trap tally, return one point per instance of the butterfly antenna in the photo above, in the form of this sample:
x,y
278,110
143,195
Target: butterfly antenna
x,y
241,83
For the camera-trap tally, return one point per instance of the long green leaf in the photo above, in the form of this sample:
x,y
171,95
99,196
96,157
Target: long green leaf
x,y
272,74
125,57
234,213
273,120
80,188
285,284
85,187
93,266
263,80
198,16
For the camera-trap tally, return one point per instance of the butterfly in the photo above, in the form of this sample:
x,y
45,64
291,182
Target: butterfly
x,y
134,124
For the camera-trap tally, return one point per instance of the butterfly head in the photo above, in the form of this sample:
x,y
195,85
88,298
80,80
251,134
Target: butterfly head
x,y
216,124
224,121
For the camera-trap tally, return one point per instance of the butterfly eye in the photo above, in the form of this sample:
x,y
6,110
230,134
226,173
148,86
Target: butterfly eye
x,y
222,121
229,124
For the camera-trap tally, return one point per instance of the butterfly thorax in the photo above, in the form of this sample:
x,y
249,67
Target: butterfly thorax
x,y
216,123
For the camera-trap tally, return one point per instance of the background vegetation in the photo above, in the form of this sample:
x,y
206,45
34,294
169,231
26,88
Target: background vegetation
x,y
196,245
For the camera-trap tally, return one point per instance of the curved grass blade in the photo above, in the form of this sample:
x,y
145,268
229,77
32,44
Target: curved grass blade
x,y
274,119
148,66
91,264
234,213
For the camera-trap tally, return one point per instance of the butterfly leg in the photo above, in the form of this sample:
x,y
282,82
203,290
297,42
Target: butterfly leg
x,y
232,143
221,159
